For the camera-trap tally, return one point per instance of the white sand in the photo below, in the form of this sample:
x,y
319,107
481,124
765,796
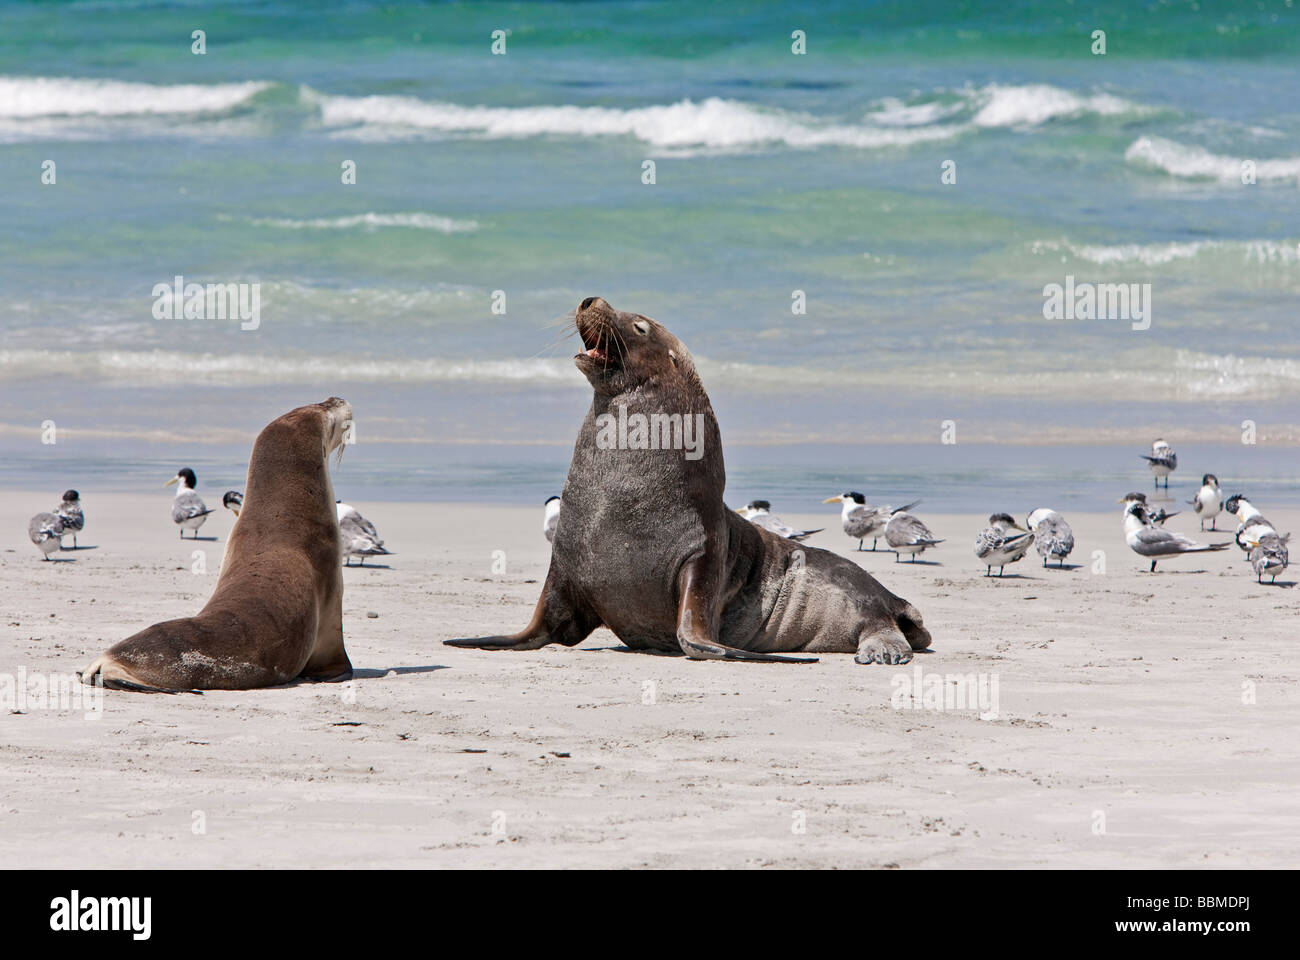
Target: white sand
x,y
1119,693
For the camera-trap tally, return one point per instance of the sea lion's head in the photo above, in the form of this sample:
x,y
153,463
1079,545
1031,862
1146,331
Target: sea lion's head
x,y
338,424
621,351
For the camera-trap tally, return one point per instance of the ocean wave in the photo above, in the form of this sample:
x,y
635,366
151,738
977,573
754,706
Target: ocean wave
x,y
719,123
29,98
1170,376
373,221
167,366
713,122
1035,104
1196,163
1160,254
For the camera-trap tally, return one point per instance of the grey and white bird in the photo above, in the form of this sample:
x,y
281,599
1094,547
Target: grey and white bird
x,y
358,535
861,521
1251,524
997,546
46,530
233,501
1208,502
1053,538
1147,540
551,518
1268,555
188,510
759,513
1155,517
1162,461
71,515
906,534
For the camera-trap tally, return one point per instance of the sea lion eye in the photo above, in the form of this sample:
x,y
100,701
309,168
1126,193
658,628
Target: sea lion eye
x,y
642,328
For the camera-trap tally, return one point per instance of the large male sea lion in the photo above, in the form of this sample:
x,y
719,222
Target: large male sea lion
x,y
646,547
277,612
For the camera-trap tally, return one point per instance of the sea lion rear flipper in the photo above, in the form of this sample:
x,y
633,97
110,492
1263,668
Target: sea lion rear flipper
x,y
554,621
694,634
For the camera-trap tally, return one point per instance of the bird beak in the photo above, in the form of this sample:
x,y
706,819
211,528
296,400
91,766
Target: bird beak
x,y
175,479
1016,526
236,509
1121,500
833,500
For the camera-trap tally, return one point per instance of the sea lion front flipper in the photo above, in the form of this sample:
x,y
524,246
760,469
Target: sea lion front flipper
x,y
555,620
696,627
887,645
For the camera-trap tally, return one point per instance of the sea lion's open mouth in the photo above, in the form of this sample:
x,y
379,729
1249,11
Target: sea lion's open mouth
x,y
599,341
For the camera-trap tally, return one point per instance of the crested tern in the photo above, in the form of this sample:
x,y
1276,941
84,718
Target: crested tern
x,y
1147,540
1054,538
551,518
46,530
1252,525
188,511
861,521
71,515
1208,503
1268,555
358,535
233,501
1162,461
906,534
1155,518
996,547
759,513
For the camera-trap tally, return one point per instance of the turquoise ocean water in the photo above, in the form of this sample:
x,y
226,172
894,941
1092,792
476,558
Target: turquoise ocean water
x,y
774,173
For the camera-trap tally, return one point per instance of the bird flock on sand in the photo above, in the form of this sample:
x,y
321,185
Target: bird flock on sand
x,y
357,535
1004,541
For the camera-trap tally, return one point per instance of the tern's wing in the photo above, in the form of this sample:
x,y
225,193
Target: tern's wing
x,y
906,529
1159,542
986,542
1055,538
188,506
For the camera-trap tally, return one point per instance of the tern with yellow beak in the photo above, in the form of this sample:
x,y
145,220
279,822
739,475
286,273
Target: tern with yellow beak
x,y
861,521
188,511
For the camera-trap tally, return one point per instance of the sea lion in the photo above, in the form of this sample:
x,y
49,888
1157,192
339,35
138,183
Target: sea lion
x,y
646,547
277,611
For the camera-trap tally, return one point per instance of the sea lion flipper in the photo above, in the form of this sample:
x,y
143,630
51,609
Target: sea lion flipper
x,y
554,621
887,645
694,634
495,643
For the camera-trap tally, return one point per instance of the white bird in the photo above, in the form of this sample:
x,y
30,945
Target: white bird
x,y
906,534
1252,525
1147,540
551,518
46,530
233,501
1053,536
71,516
1268,555
358,535
188,511
996,547
759,513
861,521
1208,503
1162,461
